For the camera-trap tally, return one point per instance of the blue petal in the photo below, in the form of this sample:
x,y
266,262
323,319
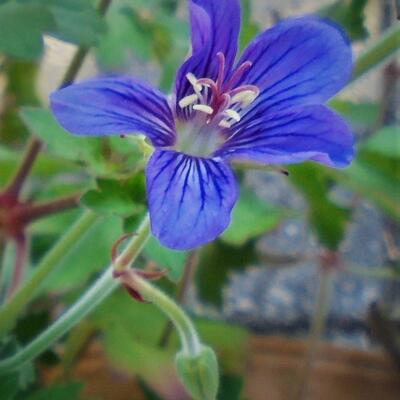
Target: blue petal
x,y
115,105
292,136
190,199
215,28
297,62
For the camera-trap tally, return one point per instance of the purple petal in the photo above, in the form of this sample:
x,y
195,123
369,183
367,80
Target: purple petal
x,y
297,62
215,28
190,198
115,105
292,136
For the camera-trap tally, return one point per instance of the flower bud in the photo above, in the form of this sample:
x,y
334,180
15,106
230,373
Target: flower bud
x,y
199,374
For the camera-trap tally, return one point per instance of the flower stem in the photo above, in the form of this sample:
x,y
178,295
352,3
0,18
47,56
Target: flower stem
x,y
190,341
93,297
322,303
188,274
387,46
9,312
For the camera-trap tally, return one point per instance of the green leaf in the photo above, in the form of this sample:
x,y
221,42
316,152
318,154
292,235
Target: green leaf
x,y
125,197
327,218
9,385
76,21
90,254
216,261
385,142
249,27
251,218
61,143
376,180
66,391
349,14
21,28
173,260
364,114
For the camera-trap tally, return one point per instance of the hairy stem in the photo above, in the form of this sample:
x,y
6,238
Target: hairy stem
x,y
10,311
184,284
101,289
190,341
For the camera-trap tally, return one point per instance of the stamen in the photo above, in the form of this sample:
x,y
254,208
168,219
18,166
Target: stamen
x,y
193,81
238,74
188,100
224,124
203,108
245,97
232,114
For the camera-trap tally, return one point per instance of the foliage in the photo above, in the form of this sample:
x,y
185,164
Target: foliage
x,y
150,38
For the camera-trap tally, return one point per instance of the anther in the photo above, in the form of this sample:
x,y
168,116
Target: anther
x,y
194,82
246,97
188,100
203,108
232,114
224,124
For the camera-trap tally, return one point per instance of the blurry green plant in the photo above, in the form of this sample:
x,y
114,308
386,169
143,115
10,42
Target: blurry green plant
x,y
113,197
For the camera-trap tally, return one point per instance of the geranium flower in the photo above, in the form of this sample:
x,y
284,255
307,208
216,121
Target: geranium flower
x,y
267,107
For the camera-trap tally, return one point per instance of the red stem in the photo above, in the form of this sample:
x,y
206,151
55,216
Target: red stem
x,y
30,213
14,187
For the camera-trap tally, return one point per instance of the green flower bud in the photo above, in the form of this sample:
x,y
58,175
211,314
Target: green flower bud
x,y
199,374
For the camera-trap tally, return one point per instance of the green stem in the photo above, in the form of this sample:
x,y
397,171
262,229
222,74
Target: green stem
x,y
190,341
93,297
387,46
10,311
321,310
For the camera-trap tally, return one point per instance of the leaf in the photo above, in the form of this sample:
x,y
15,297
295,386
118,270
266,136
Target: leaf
x,y
76,21
90,254
251,218
385,142
349,14
327,218
66,391
9,385
364,114
164,257
126,197
216,261
366,177
61,143
249,27
21,28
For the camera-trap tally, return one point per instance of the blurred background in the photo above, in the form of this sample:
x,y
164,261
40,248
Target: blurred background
x,y
300,297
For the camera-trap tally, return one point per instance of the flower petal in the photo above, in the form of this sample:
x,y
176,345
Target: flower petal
x,y
215,28
115,105
190,198
297,62
292,136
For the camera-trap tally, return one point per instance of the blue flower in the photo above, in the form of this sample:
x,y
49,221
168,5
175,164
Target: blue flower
x,y
267,107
